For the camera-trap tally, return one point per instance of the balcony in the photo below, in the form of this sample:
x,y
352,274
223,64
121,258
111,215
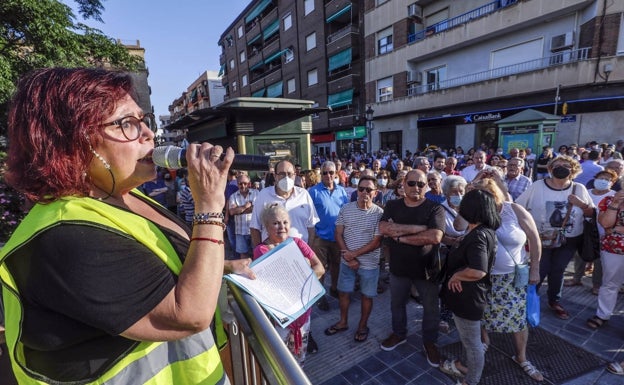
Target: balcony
x,y
574,67
343,82
343,118
344,38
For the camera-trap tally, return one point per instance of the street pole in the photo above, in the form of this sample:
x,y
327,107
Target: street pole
x,y
369,127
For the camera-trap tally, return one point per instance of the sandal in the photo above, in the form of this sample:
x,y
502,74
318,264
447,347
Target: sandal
x,y
529,369
330,331
449,367
615,368
596,322
361,335
560,312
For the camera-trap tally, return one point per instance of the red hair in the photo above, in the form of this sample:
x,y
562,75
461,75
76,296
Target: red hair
x,y
54,116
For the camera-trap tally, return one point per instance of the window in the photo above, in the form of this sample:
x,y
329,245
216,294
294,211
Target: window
x,y
240,31
620,46
308,6
242,56
434,77
379,2
290,86
232,64
234,86
311,41
384,89
384,41
289,56
287,22
244,80
312,77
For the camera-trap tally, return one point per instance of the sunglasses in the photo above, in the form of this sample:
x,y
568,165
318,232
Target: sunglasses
x,y
328,172
413,183
367,189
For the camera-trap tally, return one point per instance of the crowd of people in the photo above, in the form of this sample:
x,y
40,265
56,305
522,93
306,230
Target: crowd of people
x,y
114,274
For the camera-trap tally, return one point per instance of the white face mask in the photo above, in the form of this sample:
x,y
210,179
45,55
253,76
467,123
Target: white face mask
x,y
355,181
602,184
382,182
455,200
336,181
362,169
286,184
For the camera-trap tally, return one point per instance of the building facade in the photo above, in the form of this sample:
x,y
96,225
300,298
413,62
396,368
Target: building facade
x,y
304,49
443,72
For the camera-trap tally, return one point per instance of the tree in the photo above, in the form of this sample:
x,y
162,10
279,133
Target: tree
x,y
46,33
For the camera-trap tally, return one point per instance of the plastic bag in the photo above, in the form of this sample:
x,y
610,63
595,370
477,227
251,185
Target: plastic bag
x,y
533,306
521,276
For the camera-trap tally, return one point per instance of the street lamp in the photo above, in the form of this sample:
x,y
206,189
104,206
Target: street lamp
x,y
369,127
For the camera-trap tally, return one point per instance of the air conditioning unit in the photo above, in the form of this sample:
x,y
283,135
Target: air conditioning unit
x,y
414,11
414,77
562,41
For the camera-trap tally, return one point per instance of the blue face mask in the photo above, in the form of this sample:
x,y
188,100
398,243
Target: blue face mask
x,y
455,200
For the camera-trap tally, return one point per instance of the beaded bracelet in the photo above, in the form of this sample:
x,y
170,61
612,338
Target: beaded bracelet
x,y
217,241
209,222
207,216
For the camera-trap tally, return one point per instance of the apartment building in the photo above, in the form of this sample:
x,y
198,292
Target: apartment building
x,y
443,71
303,49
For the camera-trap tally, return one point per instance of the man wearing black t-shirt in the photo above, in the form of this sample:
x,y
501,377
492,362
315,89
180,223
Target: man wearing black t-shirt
x,y
415,226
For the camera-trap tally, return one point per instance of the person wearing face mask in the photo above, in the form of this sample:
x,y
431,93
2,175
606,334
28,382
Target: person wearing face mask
x,y
295,199
382,188
603,181
548,200
354,179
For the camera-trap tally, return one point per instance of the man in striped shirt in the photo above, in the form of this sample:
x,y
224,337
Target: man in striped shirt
x,y
357,235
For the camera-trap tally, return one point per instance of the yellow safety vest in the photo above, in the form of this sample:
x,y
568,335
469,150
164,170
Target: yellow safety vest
x,y
192,360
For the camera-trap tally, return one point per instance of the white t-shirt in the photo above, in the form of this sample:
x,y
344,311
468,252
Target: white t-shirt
x,y
299,206
470,172
548,207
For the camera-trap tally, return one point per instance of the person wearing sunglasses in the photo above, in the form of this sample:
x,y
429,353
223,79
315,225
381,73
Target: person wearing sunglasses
x,y
99,280
414,226
357,234
328,197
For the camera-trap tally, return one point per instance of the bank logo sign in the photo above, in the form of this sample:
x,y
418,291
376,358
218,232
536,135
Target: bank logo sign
x,y
482,117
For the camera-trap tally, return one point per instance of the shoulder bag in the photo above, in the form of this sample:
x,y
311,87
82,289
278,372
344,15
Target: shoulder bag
x,y
590,249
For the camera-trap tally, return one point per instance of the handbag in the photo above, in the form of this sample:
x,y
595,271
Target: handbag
x,y
436,269
590,248
521,272
532,306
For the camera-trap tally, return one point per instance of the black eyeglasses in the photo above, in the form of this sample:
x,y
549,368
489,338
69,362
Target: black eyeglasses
x,y
413,183
130,126
367,189
328,172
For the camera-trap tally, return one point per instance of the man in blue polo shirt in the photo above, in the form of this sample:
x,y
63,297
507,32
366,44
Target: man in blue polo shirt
x,y
328,198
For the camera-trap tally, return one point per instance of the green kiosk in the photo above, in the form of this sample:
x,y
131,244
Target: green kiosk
x,y
528,128
276,127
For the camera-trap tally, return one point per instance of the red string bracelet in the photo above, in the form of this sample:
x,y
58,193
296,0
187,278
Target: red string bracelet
x,y
217,241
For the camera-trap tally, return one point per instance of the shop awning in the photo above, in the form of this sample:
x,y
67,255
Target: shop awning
x,y
340,99
271,29
275,90
338,14
259,93
340,59
253,39
222,70
257,11
274,56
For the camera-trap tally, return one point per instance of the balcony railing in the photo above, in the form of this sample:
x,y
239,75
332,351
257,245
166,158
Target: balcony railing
x,y
459,20
341,33
560,58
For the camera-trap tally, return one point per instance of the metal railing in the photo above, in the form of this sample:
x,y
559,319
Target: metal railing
x,y
349,29
258,355
558,59
459,20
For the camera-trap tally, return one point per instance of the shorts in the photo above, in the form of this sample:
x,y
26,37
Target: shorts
x,y
243,244
368,280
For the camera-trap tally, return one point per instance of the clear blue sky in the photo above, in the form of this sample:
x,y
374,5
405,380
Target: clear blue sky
x,y
179,36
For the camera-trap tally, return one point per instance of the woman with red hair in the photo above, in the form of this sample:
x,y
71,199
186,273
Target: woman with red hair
x,y
101,283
